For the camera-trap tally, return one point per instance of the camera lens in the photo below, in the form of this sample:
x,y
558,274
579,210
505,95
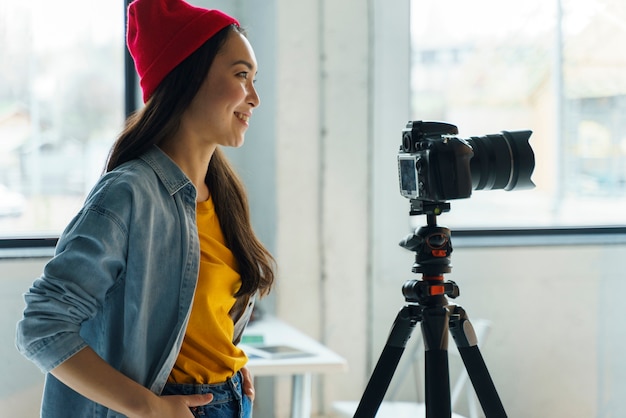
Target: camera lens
x,y
502,161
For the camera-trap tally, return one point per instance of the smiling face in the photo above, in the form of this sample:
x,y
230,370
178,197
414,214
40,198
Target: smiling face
x,y
220,112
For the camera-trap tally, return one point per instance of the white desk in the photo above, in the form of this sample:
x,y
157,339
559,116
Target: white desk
x,y
321,360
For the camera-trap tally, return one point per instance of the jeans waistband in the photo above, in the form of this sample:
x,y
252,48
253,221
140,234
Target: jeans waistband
x,y
222,392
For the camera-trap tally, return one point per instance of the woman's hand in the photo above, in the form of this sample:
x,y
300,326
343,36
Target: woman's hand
x,y
88,374
248,383
178,406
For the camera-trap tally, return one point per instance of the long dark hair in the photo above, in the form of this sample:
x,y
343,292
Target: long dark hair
x,y
160,119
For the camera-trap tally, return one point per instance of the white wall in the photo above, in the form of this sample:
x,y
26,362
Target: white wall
x,y
322,152
554,349
20,381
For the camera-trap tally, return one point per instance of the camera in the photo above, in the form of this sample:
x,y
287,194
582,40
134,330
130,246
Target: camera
x,y
435,165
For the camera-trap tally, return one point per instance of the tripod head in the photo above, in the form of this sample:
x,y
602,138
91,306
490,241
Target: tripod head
x,y
432,245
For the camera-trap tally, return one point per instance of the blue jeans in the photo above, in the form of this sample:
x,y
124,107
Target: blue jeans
x,y
228,398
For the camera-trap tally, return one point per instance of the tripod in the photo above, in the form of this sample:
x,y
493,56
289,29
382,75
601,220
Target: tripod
x,y
428,305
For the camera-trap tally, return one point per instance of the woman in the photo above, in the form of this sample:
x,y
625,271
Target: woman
x,y
139,312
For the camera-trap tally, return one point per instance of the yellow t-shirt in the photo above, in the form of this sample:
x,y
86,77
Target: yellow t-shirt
x,y
208,354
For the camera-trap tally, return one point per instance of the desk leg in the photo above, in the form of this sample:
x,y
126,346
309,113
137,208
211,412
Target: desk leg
x,y
301,396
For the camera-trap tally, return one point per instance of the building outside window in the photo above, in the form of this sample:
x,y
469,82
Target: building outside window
x,y
554,67
61,107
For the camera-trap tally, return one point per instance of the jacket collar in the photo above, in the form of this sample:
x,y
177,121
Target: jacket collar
x,y
166,169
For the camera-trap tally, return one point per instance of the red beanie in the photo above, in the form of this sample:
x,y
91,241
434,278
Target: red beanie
x,y
162,33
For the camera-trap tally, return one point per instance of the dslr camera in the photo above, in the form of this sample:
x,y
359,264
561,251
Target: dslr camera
x,y
435,165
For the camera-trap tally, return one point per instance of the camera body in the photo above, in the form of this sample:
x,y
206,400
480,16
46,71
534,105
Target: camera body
x,y
434,165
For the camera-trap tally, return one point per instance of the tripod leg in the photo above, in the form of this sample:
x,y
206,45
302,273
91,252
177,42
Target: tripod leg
x,y
466,341
437,387
377,386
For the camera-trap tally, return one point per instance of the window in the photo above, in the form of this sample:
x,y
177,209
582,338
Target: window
x,y
553,67
61,107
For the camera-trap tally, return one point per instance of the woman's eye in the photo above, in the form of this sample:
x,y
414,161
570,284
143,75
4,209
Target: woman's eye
x,y
246,75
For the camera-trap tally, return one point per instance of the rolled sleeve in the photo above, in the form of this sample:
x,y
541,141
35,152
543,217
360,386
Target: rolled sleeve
x,y
89,260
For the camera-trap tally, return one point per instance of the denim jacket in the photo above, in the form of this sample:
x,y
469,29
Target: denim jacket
x,y
121,281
